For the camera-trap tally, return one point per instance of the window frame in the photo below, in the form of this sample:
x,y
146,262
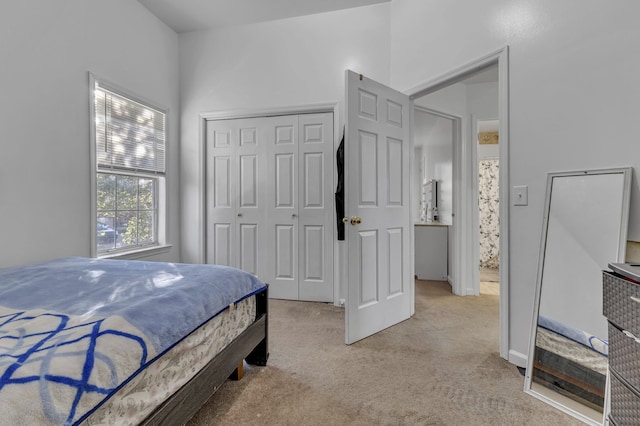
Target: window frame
x,y
160,245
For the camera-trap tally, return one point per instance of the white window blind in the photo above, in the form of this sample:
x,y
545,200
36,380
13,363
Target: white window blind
x,y
129,135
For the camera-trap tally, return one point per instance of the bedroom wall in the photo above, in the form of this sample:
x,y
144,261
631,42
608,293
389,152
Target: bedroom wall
x,y
289,62
573,99
47,49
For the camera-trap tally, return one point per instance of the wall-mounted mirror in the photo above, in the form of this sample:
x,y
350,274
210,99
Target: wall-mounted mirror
x,y
584,229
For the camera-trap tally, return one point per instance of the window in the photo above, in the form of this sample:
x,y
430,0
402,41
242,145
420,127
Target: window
x,y
129,143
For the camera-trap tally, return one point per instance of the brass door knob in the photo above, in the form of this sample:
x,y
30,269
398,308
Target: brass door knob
x,y
345,220
355,220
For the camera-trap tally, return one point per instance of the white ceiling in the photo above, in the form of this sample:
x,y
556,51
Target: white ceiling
x,y
195,15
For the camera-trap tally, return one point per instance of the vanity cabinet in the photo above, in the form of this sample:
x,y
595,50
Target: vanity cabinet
x,y
431,251
621,306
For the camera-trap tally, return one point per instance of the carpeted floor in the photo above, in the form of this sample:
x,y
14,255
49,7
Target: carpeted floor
x,y
441,367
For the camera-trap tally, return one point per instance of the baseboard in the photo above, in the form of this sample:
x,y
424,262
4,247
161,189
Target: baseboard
x,y
517,358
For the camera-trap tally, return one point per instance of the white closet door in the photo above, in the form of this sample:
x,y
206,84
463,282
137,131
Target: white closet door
x,y
221,192
250,220
316,210
282,206
270,207
235,172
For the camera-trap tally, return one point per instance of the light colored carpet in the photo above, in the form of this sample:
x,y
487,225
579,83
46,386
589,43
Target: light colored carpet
x,y
441,367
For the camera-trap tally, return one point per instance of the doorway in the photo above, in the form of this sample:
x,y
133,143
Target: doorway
x,y
452,93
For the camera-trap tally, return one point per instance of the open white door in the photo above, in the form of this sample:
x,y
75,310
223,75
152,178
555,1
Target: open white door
x,y
377,173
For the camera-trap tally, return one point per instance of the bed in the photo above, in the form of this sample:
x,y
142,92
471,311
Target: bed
x,y
99,341
571,361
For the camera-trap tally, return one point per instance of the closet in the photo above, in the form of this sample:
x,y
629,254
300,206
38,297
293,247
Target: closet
x,y
269,201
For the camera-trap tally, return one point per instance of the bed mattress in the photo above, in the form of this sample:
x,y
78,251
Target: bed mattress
x,y
75,331
571,350
132,403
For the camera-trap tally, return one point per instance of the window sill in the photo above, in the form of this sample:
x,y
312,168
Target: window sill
x,y
139,253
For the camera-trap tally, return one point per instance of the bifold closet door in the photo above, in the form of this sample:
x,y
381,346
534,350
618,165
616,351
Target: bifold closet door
x,y
270,205
235,200
300,201
316,207
282,207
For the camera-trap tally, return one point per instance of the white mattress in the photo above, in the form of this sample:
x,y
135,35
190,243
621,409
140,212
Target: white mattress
x,y
132,403
567,348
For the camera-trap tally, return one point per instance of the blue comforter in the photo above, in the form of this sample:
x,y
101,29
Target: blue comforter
x,y
73,330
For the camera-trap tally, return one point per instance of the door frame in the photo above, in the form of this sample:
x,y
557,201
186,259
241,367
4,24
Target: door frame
x,y
465,238
231,114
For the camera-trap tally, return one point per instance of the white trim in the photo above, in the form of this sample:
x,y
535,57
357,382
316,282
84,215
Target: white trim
x,y
139,253
462,267
93,167
270,112
457,74
505,203
517,358
412,206
332,107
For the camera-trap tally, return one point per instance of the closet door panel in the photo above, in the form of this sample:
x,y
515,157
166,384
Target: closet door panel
x,y
284,180
282,206
316,209
220,187
250,175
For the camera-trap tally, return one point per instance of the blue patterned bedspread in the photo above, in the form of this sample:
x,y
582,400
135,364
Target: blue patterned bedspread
x,y
73,330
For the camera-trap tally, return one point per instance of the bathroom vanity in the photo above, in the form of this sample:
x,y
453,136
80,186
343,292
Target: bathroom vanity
x,y
431,251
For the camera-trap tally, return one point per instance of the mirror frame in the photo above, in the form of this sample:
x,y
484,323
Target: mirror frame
x,y
622,241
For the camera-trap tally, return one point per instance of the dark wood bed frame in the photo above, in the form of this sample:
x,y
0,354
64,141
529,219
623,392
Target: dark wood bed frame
x,y
569,378
251,345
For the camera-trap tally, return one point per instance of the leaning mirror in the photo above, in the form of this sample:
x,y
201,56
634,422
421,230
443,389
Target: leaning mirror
x,y
584,229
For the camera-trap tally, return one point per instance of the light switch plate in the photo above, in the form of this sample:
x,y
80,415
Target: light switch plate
x,y
521,195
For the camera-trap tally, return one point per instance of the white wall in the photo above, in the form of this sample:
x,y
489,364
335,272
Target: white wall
x,y
488,151
283,63
47,49
573,97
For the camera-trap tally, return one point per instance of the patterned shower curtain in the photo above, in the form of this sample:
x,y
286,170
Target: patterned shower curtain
x,y
489,219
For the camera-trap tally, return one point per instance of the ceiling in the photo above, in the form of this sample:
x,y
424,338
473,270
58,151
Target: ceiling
x,y
196,15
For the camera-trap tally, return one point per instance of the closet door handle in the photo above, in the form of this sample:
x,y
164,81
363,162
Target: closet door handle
x,y
294,215
239,214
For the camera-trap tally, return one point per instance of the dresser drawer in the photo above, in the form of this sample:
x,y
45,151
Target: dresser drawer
x,y
625,405
621,303
624,356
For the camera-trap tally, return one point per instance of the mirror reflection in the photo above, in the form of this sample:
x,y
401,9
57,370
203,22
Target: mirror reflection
x,y
584,228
